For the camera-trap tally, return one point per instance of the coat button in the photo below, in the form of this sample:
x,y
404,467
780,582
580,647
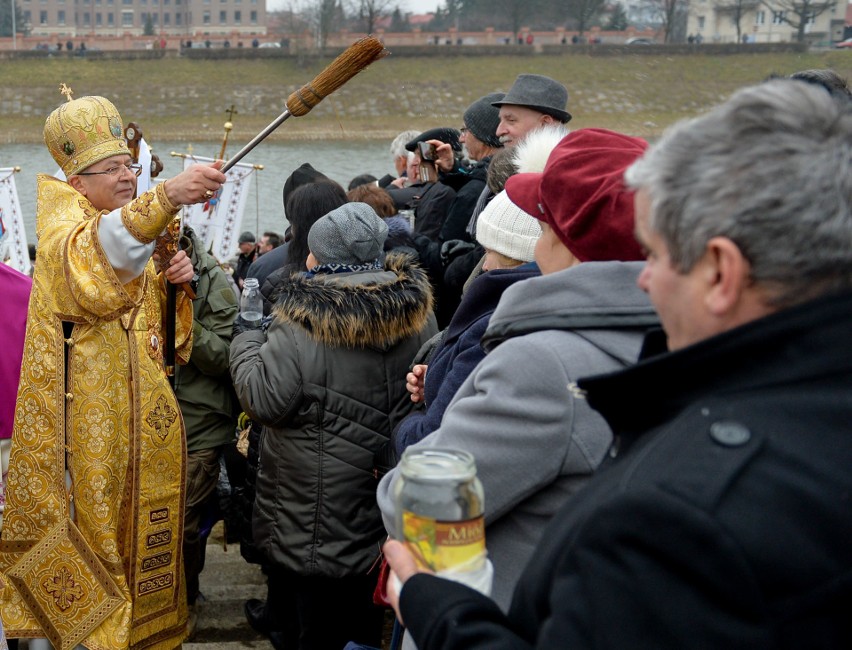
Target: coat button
x,y
730,434
69,397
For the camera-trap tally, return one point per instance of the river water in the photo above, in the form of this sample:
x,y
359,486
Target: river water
x,y
339,160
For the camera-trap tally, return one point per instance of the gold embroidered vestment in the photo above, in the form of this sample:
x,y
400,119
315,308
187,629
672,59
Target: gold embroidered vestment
x,y
118,416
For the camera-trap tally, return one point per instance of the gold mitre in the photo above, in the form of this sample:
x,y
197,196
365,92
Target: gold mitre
x,y
82,132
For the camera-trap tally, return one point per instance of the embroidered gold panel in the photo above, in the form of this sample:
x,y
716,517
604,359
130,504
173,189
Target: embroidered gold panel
x,y
65,586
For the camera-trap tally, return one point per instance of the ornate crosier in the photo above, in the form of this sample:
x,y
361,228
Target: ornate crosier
x,y
65,90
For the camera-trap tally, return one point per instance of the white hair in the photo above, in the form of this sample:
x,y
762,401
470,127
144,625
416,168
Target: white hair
x,y
397,147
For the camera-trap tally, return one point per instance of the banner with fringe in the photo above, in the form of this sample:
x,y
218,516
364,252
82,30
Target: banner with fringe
x,y
218,221
13,236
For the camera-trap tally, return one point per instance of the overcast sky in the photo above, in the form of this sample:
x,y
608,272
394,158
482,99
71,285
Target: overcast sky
x,y
414,6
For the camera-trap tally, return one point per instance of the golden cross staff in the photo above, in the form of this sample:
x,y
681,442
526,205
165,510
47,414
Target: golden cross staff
x,y
228,126
65,90
349,63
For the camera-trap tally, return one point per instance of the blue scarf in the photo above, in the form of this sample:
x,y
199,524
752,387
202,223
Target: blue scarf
x,y
331,269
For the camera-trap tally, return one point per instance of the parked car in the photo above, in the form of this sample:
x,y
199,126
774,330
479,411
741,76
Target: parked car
x,y
638,41
844,44
270,44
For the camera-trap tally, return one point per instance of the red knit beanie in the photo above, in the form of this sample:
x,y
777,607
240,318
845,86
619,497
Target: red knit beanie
x,y
582,196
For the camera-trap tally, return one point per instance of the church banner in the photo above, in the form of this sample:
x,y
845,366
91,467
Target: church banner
x,y
13,235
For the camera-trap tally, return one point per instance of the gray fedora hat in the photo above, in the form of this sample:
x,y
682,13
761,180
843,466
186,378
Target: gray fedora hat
x,y
539,93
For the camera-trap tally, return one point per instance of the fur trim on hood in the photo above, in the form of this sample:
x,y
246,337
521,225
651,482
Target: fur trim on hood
x,y
532,152
343,311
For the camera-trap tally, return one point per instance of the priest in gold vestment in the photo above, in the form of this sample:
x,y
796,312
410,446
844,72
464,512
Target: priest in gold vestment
x,y
91,543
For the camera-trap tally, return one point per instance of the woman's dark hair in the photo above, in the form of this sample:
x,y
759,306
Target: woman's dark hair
x,y
305,205
363,179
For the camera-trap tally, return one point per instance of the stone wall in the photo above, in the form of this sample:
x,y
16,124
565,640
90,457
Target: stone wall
x,y
297,49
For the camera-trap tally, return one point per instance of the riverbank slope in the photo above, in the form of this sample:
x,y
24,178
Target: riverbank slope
x,y
183,99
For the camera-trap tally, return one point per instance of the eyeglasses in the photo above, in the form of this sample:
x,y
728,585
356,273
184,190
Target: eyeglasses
x,y
135,169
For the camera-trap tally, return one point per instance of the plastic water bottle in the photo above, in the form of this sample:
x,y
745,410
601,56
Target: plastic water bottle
x,y
251,303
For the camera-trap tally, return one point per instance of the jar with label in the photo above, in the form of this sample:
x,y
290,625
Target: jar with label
x,y
441,514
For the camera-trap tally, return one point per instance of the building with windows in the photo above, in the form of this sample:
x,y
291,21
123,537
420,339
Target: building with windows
x,y
765,22
189,18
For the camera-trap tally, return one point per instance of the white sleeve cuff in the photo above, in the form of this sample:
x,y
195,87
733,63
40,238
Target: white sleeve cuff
x,y
127,255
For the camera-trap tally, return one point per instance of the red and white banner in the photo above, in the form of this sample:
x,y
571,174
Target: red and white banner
x,y
218,222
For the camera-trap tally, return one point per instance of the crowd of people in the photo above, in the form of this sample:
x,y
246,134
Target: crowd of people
x,y
641,346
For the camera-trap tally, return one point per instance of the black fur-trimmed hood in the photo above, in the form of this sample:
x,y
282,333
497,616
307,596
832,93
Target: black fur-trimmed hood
x,y
368,308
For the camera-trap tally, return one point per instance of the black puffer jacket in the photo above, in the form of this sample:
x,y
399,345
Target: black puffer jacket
x,y
327,381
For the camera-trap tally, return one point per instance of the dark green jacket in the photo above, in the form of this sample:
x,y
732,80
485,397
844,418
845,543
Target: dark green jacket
x,y
203,386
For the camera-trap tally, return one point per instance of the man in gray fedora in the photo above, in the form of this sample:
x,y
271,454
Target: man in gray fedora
x,y
533,101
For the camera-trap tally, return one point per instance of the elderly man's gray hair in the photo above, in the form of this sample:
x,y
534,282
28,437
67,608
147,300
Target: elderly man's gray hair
x,y
397,148
771,170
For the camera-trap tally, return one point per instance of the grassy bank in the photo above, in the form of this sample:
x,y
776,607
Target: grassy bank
x,y
181,99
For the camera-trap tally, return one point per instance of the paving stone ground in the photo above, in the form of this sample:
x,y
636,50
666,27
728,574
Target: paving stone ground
x,y
226,583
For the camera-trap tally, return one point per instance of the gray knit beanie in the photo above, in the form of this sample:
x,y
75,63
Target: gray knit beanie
x,y
351,234
482,119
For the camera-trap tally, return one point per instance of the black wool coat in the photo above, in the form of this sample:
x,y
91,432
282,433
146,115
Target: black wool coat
x,y
723,520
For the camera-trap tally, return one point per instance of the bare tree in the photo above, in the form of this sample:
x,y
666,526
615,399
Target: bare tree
x,y
583,12
672,16
294,17
323,16
736,9
513,13
798,13
371,11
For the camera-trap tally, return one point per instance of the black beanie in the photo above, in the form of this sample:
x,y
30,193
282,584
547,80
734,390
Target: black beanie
x,y
482,119
302,175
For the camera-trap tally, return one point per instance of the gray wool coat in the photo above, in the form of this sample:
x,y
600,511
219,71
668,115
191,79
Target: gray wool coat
x,y
327,381
535,439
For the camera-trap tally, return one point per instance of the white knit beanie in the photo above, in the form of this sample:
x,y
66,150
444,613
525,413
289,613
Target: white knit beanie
x,y
506,229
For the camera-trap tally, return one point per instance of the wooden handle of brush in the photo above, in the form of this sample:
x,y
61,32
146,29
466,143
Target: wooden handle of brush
x,y
349,63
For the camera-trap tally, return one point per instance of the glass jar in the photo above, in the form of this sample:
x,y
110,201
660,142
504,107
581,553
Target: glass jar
x,y
440,509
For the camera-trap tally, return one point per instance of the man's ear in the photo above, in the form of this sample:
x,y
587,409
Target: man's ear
x,y
77,183
728,275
